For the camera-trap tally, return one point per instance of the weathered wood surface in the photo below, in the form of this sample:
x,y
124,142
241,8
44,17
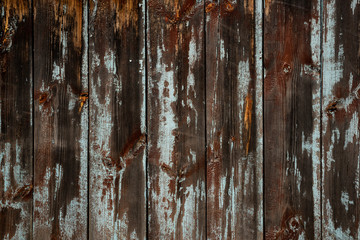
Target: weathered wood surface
x,y
292,119
60,120
234,119
117,120
176,120
16,145
186,119
340,131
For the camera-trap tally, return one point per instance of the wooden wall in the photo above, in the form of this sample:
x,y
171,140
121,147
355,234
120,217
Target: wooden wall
x,y
179,119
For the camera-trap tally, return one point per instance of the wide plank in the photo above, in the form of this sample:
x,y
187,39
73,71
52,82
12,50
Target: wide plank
x,y
117,178
234,119
61,119
176,119
16,126
292,183
340,111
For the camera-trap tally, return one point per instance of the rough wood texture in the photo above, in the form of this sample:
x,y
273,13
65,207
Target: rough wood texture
x,y
61,121
117,120
341,85
176,120
292,119
136,119
234,119
16,144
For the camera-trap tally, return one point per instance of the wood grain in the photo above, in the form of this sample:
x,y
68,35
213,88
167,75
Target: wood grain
x,y
176,120
234,119
61,120
340,135
292,119
16,145
117,120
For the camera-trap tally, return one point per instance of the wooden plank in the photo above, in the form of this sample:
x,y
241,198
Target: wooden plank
x,y
117,120
234,119
340,135
292,119
16,146
176,120
61,119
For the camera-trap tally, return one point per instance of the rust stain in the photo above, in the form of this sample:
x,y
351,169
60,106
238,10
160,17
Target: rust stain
x,y
43,98
267,7
133,147
247,120
69,15
332,107
210,7
14,12
24,192
249,6
83,98
178,12
228,6
127,13
21,9
291,226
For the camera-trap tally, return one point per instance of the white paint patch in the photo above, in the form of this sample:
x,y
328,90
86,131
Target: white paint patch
x,y
101,125
259,111
6,169
58,176
352,132
332,66
164,198
191,205
58,72
353,5
43,223
345,200
332,232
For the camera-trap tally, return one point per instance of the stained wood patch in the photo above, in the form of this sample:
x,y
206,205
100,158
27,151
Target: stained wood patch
x,y
340,131
292,119
16,145
117,120
176,120
61,120
234,120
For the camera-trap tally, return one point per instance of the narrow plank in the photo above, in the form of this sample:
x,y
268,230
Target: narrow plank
x,y
234,119
16,145
117,120
176,120
340,135
292,119
61,120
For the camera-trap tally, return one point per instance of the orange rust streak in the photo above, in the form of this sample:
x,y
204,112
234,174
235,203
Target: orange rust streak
x,y
127,13
247,120
267,7
210,7
83,97
43,98
229,7
20,7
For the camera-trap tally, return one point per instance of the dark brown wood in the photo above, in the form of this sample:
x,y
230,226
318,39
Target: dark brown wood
x,y
176,120
16,145
292,119
61,120
117,120
340,108
234,119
